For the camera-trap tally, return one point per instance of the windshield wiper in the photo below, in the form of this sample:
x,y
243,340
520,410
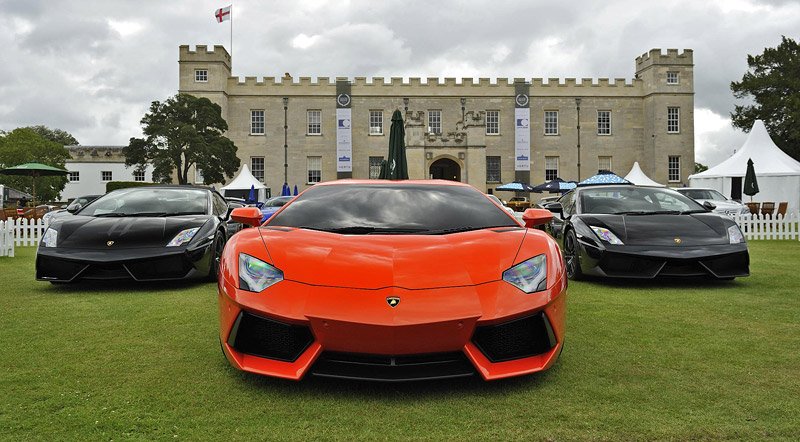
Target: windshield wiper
x,y
686,212
181,213
147,214
366,230
649,212
462,229
109,215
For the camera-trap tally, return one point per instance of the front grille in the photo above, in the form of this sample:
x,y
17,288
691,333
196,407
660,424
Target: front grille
x,y
392,368
268,338
57,269
726,266
682,268
105,271
515,339
168,267
614,264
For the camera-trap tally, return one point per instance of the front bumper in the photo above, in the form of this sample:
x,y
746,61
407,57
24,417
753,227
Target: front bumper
x,y
293,329
143,264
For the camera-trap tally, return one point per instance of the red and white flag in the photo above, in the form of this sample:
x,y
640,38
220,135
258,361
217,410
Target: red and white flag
x,y
223,14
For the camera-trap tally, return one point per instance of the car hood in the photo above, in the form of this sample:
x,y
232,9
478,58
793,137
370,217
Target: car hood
x,y
664,230
89,232
378,261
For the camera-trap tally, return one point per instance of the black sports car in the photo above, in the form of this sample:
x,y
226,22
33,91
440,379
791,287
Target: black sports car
x,y
145,233
627,231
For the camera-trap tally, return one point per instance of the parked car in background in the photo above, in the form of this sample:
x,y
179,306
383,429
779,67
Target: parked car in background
x,y
627,231
519,203
723,205
70,208
501,203
148,233
544,201
273,205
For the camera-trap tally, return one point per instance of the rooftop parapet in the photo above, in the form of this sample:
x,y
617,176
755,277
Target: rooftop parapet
x,y
672,57
201,53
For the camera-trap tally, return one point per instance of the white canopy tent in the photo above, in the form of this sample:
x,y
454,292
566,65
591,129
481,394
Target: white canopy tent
x,y
777,173
638,177
241,185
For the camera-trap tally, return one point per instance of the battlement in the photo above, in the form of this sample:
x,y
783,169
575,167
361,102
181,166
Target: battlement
x,y
434,82
672,57
202,53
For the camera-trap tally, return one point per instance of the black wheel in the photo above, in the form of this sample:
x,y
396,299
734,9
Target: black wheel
x,y
216,254
571,256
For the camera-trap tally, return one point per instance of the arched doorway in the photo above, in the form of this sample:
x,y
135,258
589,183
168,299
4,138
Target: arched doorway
x,y
445,169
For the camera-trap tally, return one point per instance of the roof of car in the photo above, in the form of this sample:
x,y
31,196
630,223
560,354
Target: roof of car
x,y
394,182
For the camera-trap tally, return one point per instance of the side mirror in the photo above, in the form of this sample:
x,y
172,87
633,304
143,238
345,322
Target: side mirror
x,y
74,208
536,217
250,216
709,205
555,207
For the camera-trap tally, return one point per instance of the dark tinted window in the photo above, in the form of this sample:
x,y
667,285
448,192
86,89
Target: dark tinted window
x,y
279,201
635,199
220,206
392,208
149,201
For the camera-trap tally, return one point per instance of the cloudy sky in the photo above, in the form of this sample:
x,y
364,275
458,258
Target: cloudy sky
x,y
92,67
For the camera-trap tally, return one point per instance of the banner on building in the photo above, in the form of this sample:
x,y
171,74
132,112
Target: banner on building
x,y
344,141
522,139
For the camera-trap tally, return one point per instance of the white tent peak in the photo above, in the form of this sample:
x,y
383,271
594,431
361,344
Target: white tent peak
x,y
244,181
768,159
638,177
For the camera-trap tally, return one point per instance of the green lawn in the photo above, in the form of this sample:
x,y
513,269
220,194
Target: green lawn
x,y
677,361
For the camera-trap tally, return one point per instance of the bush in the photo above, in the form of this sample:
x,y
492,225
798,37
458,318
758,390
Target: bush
x,y
114,185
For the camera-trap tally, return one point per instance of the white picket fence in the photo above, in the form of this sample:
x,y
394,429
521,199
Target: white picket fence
x,y
768,226
20,232
6,238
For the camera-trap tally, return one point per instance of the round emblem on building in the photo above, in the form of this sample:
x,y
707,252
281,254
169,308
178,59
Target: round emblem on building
x,y
343,100
521,99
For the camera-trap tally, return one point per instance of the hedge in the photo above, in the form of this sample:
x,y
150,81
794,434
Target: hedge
x,y
114,185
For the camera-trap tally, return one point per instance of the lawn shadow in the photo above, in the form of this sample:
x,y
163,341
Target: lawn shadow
x,y
667,283
124,285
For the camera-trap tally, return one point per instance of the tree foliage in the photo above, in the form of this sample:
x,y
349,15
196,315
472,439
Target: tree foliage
x,y
700,167
772,82
24,145
59,136
182,132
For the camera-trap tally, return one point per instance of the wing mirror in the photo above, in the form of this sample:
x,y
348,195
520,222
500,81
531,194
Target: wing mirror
x,y
250,216
536,217
72,208
555,208
709,205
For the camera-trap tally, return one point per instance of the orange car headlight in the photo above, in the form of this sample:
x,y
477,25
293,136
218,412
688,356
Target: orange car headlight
x,y
529,276
256,275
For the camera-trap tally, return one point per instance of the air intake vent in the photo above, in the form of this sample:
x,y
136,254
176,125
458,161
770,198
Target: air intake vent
x,y
267,338
515,339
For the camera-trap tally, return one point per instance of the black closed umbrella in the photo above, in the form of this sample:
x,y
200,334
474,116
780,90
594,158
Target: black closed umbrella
x,y
750,181
396,166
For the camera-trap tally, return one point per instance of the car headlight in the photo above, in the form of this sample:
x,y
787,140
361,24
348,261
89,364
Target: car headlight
x,y
183,237
256,275
529,276
735,234
606,235
50,237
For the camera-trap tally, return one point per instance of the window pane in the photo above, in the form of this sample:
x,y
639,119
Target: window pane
x,y
74,177
550,168
376,122
138,175
201,75
257,168
375,167
551,122
257,122
673,119
603,163
314,122
314,169
492,122
435,121
672,77
493,170
106,175
604,122
674,168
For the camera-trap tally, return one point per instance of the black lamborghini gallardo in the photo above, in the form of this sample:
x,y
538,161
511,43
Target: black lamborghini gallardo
x,y
627,231
146,234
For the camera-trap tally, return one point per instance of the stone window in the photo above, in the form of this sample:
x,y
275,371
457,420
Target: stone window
x,y
375,167
138,175
493,122
200,75
106,175
435,121
74,177
673,120
674,168
314,119
604,122
550,168
257,122
672,77
376,122
257,168
551,122
603,163
314,169
493,169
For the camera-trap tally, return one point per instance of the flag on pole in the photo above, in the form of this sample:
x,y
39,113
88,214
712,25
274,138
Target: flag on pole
x,y
223,14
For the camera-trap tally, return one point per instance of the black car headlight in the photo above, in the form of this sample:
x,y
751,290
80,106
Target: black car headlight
x,y
183,237
256,275
50,237
529,276
735,235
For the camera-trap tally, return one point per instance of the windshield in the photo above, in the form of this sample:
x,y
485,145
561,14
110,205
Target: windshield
x,y
392,209
80,201
703,194
636,201
278,202
144,201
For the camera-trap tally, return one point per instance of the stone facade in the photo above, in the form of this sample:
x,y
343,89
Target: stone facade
x,y
638,113
92,167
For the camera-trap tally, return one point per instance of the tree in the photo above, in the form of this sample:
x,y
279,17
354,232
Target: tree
x,y
700,167
59,136
182,132
24,145
773,83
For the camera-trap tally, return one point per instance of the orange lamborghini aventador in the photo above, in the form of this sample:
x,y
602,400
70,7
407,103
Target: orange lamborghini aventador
x,y
392,281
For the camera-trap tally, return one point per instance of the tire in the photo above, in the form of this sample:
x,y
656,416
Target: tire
x,y
572,256
216,254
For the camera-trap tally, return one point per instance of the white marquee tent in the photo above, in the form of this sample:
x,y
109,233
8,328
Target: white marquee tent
x,y
777,173
240,186
638,177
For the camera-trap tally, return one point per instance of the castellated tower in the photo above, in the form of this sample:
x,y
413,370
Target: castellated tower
x,y
667,88
483,131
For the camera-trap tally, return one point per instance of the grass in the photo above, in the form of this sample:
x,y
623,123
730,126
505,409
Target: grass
x,y
665,360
